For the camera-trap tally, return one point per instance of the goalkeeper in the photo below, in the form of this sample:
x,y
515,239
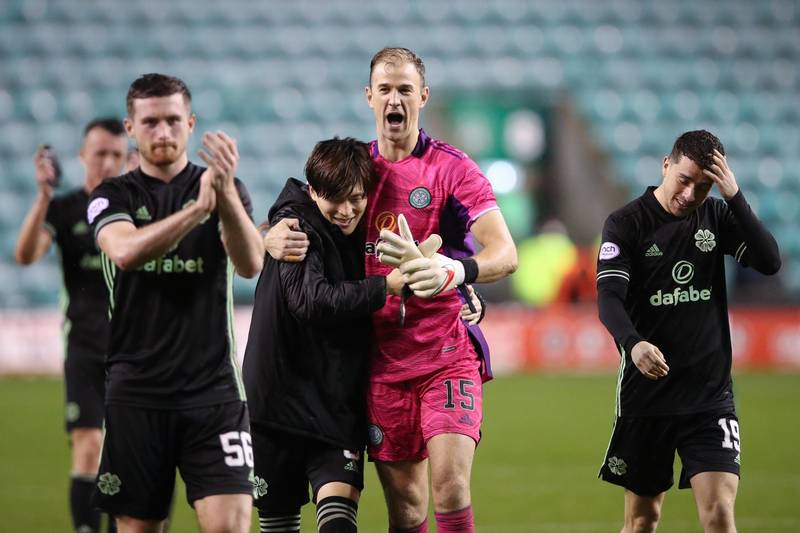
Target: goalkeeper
x,y
306,362
425,378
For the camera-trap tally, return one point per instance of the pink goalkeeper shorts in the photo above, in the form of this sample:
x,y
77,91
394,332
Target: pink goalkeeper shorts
x,y
403,416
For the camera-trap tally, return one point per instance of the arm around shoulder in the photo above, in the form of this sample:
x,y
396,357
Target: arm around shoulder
x,y
311,297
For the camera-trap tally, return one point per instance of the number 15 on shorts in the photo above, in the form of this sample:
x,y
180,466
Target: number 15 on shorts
x,y
466,398
238,448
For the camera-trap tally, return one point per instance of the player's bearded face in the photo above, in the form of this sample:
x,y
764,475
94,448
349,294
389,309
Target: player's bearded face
x,y
102,155
396,95
684,188
161,126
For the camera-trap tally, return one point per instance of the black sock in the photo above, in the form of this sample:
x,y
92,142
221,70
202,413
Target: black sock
x,y
283,523
85,517
336,514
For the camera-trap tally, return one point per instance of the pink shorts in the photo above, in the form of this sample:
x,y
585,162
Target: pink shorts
x,y
403,416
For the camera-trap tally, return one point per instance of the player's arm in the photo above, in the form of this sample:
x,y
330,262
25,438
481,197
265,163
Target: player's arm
x,y
311,297
611,306
239,235
760,248
428,273
284,241
613,276
33,239
130,247
498,258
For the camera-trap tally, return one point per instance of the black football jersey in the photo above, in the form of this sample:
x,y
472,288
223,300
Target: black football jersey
x,y
172,343
673,268
85,297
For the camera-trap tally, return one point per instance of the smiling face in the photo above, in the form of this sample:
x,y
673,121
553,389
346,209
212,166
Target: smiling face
x,y
684,187
345,212
396,94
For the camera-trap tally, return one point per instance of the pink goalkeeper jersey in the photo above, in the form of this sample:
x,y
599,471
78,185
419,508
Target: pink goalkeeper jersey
x,y
439,190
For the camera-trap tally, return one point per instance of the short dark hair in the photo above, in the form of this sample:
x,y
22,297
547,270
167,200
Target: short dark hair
x,y
112,125
698,146
337,166
152,85
393,56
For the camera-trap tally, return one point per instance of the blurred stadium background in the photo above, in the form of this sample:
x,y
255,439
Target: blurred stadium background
x,y
567,105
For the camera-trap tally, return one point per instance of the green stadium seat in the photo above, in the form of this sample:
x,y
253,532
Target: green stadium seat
x,y
285,76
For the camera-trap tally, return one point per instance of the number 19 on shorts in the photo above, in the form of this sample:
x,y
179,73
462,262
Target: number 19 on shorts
x,y
730,429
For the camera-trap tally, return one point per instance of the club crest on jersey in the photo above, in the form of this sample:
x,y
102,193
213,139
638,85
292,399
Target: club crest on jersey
x,y
420,198
704,240
608,250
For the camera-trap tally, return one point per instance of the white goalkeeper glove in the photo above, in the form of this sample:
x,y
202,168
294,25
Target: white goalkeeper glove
x,y
396,249
429,276
426,272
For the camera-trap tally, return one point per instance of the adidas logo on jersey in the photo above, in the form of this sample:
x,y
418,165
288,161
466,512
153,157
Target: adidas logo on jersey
x,y
653,251
143,214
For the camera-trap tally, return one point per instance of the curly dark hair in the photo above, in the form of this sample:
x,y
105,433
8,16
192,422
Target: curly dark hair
x,y
698,146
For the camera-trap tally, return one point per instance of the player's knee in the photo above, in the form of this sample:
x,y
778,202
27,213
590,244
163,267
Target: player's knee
x,y
407,508
643,521
236,519
86,455
451,493
717,516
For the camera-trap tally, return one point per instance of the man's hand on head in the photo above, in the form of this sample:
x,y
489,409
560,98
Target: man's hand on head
x,y
721,174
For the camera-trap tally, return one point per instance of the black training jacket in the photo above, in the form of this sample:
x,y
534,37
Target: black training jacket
x,y
306,361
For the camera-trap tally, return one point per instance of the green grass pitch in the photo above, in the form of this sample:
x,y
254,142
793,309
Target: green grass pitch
x,y
535,471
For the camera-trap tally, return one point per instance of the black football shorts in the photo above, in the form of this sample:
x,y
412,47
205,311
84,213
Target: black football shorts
x,y
641,453
286,464
210,446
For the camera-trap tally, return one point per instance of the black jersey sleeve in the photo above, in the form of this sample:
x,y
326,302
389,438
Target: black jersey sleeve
x,y
244,195
613,276
312,298
108,203
747,239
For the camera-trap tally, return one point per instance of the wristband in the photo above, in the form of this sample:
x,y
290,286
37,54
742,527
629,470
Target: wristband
x,y
470,269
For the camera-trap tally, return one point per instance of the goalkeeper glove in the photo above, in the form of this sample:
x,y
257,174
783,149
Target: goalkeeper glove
x,y
429,276
427,272
396,249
